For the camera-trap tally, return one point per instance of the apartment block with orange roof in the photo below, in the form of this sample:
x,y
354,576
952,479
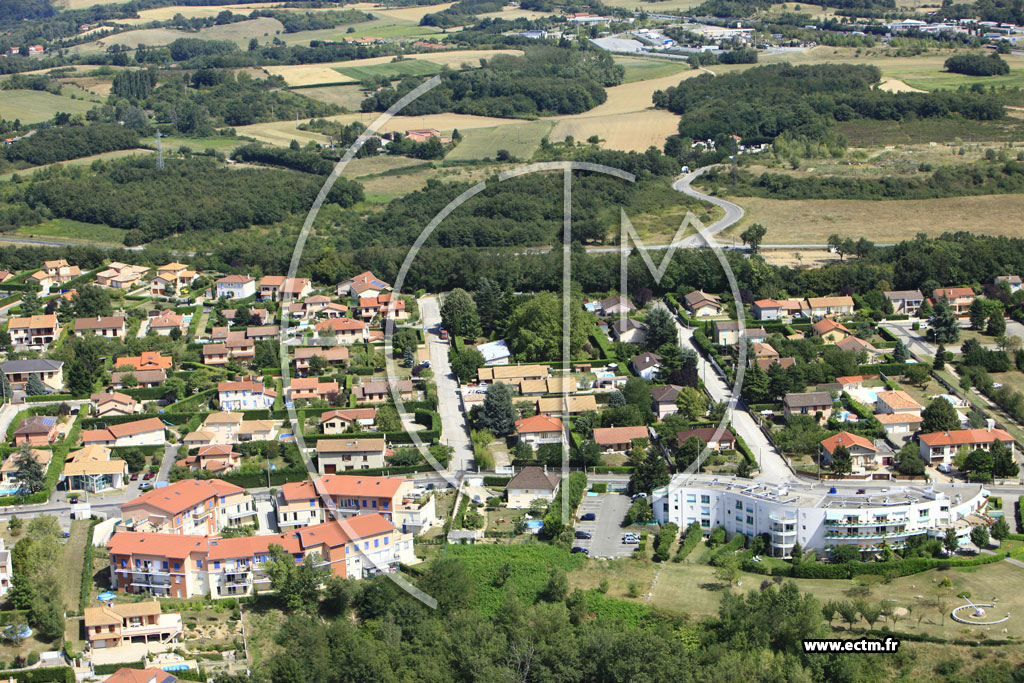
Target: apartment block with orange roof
x,y
190,506
941,447
305,503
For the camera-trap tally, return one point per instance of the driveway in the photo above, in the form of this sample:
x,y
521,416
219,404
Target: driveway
x,y
610,509
454,432
773,467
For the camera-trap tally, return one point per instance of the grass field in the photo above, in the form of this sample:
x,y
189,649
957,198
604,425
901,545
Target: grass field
x,y
811,221
693,590
384,188
410,67
218,142
347,96
74,559
666,6
74,231
382,26
520,139
314,74
865,133
240,33
641,69
83,161
34,106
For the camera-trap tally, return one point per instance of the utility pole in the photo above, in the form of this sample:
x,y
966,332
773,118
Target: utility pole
x,y
159,152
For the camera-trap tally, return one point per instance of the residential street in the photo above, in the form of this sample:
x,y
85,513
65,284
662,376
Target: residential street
x,y
773,467
454,431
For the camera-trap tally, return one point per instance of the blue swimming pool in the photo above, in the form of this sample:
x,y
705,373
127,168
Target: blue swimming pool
x,y
176,667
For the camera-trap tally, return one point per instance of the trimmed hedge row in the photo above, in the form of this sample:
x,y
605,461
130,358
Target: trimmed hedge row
x,y
106,669
847,570
52,397
52,674
173,418
83,596
497,481
692,537
883,368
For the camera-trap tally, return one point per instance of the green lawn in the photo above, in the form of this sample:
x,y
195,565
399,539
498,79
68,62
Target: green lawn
x,y
384,27
1013,379
84,161
74,559
221,143
950,81
67,229
868,133
411,67
520,139
640,69
34,106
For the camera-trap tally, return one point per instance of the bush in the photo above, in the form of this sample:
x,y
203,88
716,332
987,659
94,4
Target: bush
x,y
664,540
690,541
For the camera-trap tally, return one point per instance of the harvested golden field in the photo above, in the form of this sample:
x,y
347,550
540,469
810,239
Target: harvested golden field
x,y
509,13
811,221
282,132
630,97
413,14
632,131
96,86
279,133
313,74
666,6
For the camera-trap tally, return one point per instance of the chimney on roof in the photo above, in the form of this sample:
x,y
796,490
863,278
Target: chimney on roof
x,y
990,424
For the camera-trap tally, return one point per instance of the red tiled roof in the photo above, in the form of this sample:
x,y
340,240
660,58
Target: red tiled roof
x,y
606,436
167,545
846,439
183,495
538,423
965,436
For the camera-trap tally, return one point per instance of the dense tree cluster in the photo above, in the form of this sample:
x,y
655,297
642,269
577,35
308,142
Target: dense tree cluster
x,y
461,13
805,100
193,194
60,143
978,65
297,160
545,81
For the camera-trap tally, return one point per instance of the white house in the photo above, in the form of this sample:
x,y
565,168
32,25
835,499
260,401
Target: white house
x,y
245,395
236,287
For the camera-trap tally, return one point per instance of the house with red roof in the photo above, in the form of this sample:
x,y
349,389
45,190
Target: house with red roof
x,y
330,497
959,299
619,439
941,447
539,430
863,453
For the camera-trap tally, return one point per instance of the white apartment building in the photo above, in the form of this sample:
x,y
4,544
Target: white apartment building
x,y
819,516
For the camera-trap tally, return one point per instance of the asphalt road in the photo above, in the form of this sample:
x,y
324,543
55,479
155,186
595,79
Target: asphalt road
x,y
773,467
453,421
733,212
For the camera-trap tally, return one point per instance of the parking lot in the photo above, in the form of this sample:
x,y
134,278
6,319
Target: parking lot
x,y
606,541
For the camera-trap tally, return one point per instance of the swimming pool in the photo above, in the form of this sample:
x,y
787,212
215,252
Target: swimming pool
x,y
9,490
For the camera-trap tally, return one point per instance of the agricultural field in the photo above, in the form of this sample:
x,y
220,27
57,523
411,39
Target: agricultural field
x,y
633,131
509,13
382,26
811,221
923,72
347,96
644,69
81,161
521,140
240,33
33,106
666,6
866,133
65,229
406,67
384,187
301,75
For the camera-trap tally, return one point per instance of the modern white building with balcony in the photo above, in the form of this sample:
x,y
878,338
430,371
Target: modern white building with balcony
x,y
820,516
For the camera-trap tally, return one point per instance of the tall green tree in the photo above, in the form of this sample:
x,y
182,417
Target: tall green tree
x,y
753,236
80,381
298,585
465,364
650,473
459,315
498,414
899,352
841,463
30,474
34,386
939,416
535,328
661,329
977,314
942,325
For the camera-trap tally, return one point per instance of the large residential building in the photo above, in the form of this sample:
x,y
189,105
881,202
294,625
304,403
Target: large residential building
x,y
941,447
50,372
147,432
183,566
116,624
905,301
235,287
34,330
120,276
170,279
530,484
808,403
147,360
823,306
92,469
959,298
111,327
302,504
246,394
37,430
341,455
539,430
819,517
190,506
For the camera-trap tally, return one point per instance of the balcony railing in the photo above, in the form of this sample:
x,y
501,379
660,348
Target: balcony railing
x,y
873,522
144,569
877,534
